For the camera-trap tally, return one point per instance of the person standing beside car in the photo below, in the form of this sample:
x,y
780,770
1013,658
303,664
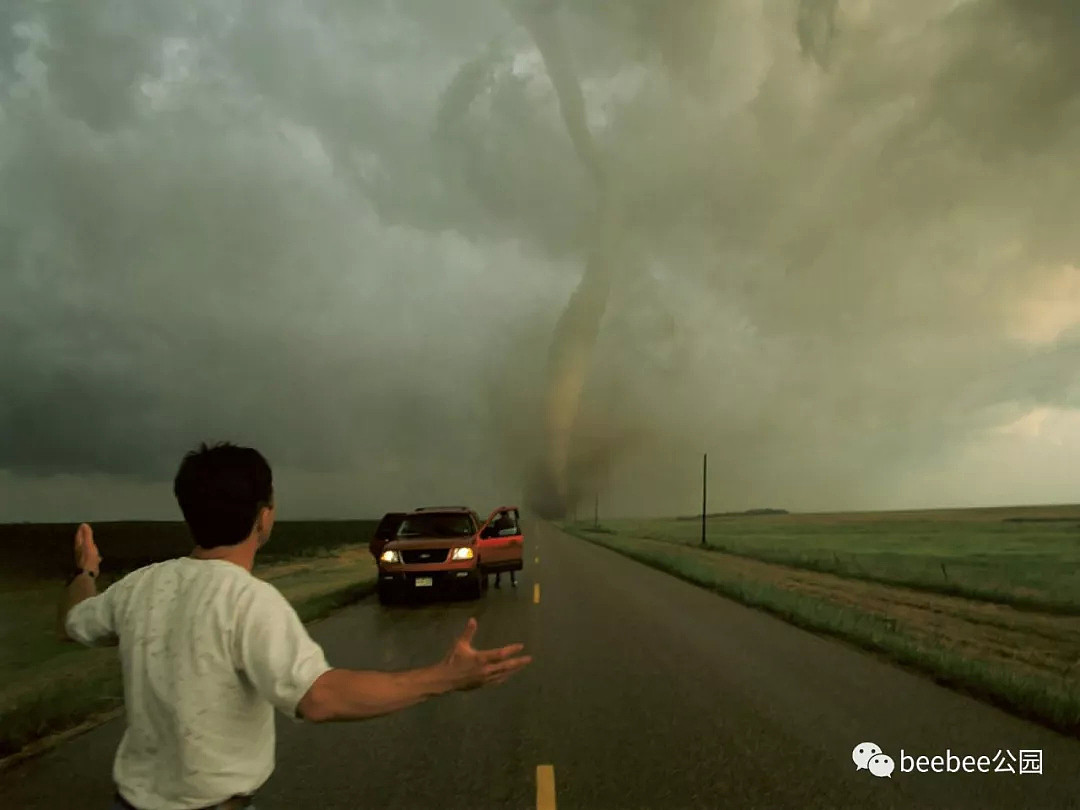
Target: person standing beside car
x,y
505,526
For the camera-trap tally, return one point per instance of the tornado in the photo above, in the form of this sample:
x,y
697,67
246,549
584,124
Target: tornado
x,y
574,339
686,45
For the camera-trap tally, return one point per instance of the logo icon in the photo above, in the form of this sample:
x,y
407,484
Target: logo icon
x,y
881,765
868,756
862,753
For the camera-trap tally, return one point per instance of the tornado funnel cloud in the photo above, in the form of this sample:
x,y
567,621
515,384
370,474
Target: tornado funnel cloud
x,y
576,332
569,361
574,341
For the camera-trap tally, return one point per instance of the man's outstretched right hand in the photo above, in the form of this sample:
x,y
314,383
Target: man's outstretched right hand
x,y
469,668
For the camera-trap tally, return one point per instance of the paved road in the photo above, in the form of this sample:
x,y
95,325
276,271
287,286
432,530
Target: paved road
x,y
645,693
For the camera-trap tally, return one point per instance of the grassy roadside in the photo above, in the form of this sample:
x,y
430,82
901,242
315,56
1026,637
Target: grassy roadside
x,y
65,686
1029,689
1022,556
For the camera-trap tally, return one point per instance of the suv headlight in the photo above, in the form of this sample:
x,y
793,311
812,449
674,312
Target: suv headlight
x,y
390,557
465,553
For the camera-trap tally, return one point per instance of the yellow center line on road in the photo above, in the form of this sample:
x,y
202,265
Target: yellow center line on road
x,y
545,787
537,560
536,593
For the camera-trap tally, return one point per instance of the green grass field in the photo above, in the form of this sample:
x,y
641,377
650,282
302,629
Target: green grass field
x,y
1027,557
43,550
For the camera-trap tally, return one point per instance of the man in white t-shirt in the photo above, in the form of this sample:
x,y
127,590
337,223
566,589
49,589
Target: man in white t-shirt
x,y
208,650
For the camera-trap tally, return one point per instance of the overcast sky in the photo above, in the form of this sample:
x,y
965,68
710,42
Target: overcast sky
x,y
850,264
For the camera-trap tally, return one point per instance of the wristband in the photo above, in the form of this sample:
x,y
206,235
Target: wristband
x,y
80,572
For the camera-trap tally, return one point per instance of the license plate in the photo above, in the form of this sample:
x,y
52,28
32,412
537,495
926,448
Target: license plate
x,y
424,582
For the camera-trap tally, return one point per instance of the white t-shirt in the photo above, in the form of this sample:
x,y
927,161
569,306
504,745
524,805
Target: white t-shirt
x,y
207,651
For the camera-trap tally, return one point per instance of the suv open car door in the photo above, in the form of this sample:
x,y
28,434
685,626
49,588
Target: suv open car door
x,y
501,542
385,532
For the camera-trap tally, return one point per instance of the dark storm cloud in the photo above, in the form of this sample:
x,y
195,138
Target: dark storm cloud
x,y
203,270
304,226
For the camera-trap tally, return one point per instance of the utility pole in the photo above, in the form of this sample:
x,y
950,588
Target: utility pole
x,y
704,494
596,510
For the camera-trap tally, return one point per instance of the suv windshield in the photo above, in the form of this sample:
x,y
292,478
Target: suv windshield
x,y
436,525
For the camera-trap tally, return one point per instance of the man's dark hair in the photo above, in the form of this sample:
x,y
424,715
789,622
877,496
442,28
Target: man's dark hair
x,y
220,490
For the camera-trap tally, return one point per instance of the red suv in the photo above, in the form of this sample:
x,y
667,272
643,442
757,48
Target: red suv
x,y
448,549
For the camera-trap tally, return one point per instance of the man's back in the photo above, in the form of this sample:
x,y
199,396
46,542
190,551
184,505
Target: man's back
x,y
207,651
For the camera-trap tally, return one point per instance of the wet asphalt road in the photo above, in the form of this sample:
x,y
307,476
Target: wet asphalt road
x,y
646,692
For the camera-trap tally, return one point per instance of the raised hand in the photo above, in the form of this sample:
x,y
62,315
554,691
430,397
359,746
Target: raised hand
x,y
86,551
470,668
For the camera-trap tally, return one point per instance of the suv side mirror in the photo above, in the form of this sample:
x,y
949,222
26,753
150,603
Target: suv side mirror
x,y
487,533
